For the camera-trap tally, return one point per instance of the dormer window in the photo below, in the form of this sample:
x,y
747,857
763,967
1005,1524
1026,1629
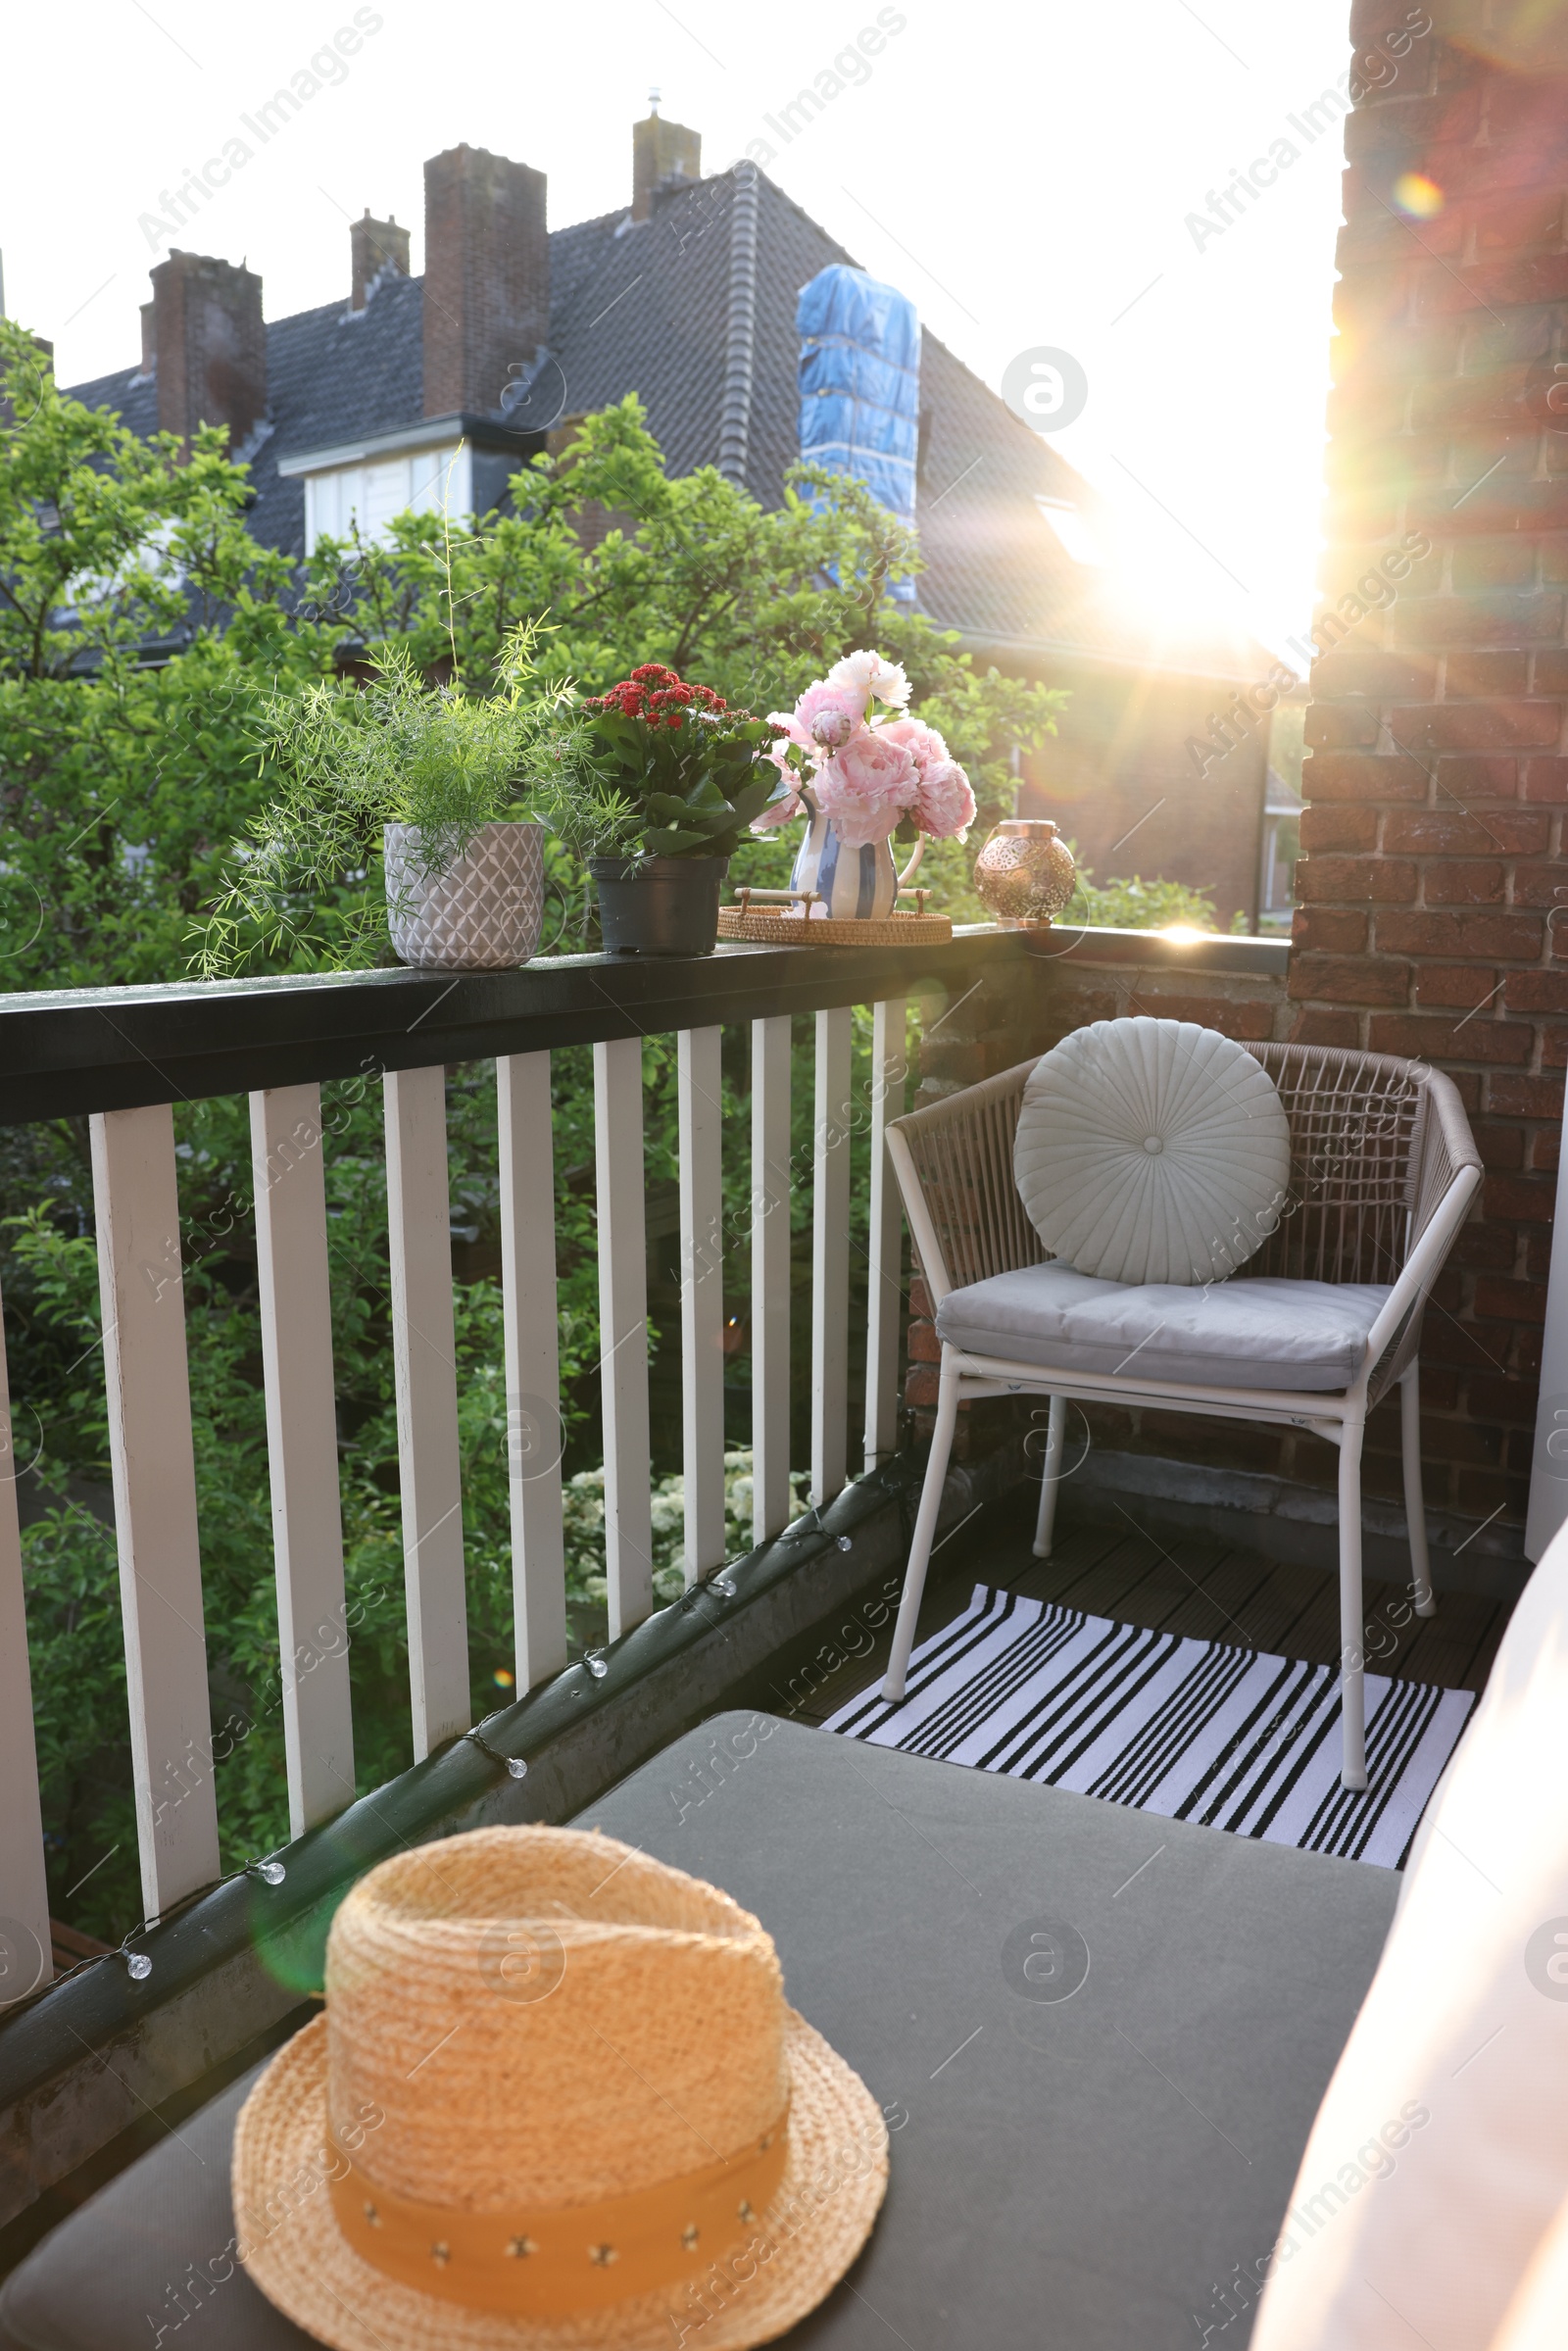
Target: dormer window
x,y
419,470
1071,527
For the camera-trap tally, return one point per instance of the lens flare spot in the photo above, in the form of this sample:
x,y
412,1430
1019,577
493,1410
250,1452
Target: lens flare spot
x,y
503,1678
1415,194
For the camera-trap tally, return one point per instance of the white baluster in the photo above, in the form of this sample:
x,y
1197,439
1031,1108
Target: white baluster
x,y
770,1277
700,1083
885,1273
154,1468
296,1302
425,1363
25,1945
535,1431
830,1255
624,1330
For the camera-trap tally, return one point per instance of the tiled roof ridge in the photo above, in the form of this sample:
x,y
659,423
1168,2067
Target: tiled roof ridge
x,y
801,214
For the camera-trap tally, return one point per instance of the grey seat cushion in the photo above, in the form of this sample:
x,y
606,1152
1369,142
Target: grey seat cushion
x,y
1099,2162
1257,1332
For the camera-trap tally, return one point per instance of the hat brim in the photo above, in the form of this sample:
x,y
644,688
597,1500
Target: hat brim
x,y
834,2181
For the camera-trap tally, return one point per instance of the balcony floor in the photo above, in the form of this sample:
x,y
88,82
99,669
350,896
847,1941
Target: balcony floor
x,y
1178,1583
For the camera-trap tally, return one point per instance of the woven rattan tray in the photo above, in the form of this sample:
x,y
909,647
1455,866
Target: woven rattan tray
x,y
761,929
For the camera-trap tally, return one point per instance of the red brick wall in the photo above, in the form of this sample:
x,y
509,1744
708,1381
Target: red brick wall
x,y
1435,780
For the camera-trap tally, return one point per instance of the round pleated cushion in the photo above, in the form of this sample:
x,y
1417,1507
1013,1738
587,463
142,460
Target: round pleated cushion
x,y
1152,1150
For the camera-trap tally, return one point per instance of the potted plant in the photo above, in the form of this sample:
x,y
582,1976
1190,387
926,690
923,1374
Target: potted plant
x,y
671,778
431,783
860,775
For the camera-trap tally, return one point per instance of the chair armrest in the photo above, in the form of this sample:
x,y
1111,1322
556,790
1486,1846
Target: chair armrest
x,y
1446,1172
1425,1262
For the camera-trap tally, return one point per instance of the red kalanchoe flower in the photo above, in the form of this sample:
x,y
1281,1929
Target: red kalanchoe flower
x,y
658,696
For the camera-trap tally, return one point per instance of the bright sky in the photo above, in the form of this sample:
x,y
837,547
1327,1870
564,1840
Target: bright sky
x,y
1022,172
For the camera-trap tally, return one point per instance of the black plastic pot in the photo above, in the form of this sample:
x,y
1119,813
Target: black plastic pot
x,y
659,905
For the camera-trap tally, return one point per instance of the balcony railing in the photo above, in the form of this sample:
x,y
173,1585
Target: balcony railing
x,y
125,1059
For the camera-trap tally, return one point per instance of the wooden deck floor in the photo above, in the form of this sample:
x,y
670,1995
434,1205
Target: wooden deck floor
x,y
1179,1584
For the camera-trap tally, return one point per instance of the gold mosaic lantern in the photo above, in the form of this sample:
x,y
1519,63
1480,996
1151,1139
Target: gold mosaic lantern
x,y
1025,874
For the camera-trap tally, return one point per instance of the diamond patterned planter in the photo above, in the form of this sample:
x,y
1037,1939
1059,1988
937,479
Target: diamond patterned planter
x,y
484,914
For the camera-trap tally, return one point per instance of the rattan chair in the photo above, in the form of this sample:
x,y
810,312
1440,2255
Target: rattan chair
x,y
1383,1167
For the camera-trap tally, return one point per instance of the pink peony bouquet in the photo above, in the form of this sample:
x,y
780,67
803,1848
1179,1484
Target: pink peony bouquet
x,y
867,770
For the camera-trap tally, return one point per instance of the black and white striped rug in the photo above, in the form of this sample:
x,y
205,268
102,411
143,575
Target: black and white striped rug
x,y
1190,1730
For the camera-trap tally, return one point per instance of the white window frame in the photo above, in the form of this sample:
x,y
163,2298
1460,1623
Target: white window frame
x,y
378,487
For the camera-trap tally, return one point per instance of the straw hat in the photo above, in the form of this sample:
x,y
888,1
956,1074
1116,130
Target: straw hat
x,y
556,2103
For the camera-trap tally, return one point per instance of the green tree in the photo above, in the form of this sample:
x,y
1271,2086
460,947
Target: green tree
x,y
137,619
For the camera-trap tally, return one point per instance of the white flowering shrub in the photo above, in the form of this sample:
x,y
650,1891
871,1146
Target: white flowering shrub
x,y
583,1517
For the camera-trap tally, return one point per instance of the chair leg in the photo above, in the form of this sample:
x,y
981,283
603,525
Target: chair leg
x,y
1352,1654
925,1527
1416,1510
1050,1476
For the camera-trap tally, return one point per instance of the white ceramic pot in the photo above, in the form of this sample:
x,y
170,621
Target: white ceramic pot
x,y
853,885
484,914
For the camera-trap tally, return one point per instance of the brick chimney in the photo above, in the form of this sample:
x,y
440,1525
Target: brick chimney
x,y
377,245
149,337
486,277
664,155
211,346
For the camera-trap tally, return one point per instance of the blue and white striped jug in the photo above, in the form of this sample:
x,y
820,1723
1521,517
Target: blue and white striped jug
x,y
855,885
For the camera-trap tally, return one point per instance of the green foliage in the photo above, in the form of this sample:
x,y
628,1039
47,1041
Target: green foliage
x,y
124,785
123,778
105,540
1138,905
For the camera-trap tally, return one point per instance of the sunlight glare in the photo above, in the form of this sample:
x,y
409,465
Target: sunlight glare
x,y
1420,197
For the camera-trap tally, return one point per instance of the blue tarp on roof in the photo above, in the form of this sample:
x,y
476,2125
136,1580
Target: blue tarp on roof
x,y
860,385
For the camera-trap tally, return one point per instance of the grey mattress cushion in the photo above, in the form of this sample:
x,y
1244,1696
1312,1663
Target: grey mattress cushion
x,y
1097,2159
150,2259
1257,1332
